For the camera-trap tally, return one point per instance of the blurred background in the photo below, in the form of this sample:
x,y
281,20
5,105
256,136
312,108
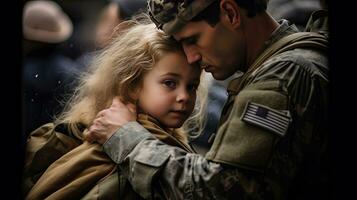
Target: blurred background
x,y
59,40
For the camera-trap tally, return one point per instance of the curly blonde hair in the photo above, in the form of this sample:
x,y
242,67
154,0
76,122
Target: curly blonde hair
x,y
117,71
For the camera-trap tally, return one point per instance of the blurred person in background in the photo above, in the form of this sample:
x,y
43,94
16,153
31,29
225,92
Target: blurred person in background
x,y
57,49
47,73
115,12
109,17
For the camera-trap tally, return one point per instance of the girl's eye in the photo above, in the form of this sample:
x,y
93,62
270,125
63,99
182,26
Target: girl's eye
x,y
170,83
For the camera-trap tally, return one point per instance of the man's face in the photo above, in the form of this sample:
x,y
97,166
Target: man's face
x,y
218,49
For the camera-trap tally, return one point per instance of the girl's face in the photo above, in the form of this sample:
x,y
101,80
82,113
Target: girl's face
x,y
168,92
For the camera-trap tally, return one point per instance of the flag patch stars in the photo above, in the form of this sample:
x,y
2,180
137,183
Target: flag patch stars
x,y
267,118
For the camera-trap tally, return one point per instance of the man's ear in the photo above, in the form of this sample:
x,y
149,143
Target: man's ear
x,y
231,12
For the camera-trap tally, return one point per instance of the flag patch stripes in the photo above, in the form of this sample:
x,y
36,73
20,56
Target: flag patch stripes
x,y
267,118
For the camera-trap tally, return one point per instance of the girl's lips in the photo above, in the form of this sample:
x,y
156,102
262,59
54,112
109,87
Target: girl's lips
x,y
179,112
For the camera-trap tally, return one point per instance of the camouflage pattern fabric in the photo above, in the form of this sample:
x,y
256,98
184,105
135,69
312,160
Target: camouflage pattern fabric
x,y
172,15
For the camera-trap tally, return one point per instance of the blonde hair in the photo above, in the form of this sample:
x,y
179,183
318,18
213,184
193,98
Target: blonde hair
x,y
195,124
117,71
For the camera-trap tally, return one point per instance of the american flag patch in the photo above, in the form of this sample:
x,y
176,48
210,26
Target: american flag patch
x,y
267,118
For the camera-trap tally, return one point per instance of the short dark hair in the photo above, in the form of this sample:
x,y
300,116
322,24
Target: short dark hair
x,y
211,13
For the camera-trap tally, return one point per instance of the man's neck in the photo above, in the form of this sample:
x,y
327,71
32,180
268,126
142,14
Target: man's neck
x,y
257,31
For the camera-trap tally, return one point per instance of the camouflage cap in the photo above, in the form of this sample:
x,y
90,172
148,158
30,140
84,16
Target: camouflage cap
x,y
172,15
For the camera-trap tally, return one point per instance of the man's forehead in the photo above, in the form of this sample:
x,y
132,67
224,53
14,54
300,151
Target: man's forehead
x,y
189,30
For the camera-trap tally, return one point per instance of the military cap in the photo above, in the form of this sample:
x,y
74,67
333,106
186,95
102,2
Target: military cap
x,y
172,15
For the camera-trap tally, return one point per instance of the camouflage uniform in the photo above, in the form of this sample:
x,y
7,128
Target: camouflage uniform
x,y
272,142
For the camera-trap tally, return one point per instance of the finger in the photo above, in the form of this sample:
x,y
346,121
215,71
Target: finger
x,y
100,114
117,102
96,122
88,137
132,107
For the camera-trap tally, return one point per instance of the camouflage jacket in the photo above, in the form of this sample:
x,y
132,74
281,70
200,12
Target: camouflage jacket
x,y
272,144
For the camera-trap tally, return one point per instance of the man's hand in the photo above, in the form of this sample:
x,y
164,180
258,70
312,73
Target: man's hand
x,y
109,120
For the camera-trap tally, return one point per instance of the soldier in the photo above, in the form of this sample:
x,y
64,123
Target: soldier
x,y
272,139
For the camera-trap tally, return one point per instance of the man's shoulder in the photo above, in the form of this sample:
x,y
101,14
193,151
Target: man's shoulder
x,y
295,70
305,57
303,60
306,51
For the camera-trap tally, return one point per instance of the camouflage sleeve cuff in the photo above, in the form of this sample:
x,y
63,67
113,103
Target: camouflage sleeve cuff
x,y
123,141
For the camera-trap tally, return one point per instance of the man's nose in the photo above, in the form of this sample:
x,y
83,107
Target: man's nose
x,y
192,53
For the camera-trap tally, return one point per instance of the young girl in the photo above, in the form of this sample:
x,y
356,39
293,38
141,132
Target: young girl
x,y
143,66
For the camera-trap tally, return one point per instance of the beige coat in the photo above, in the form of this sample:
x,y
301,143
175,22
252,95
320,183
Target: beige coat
x,y
83,171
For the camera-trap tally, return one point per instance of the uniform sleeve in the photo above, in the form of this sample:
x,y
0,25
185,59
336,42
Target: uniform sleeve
x,y
156,169
141,157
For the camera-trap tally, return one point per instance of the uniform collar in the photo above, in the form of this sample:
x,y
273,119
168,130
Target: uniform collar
x,y
285,28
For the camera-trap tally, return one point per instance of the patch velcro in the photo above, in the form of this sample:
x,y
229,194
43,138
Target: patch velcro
x,y
267,118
